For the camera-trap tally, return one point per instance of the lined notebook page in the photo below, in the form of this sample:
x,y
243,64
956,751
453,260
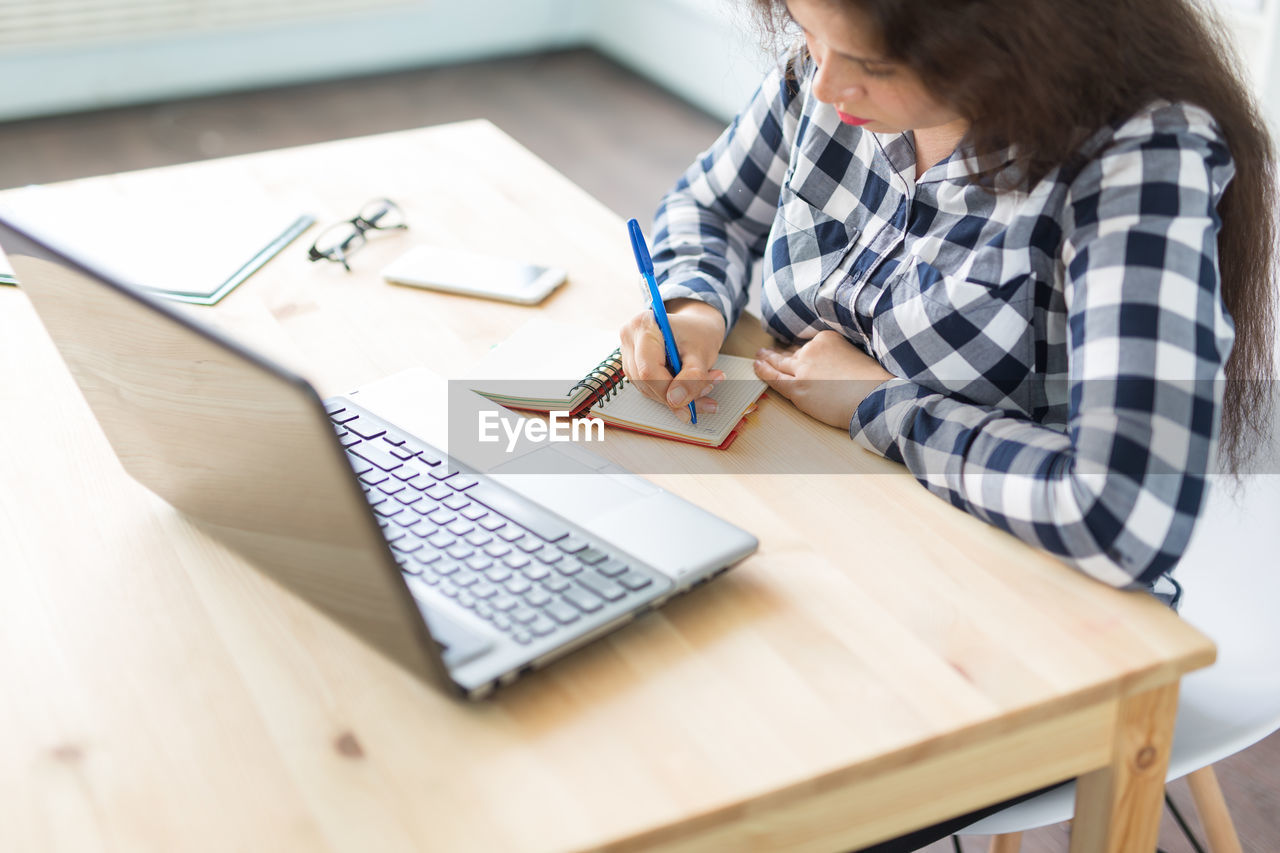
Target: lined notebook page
x,y
540,362
543,359
735,396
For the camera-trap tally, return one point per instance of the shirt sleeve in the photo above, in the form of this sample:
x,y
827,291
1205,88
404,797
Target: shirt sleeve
x,y
1117,493
716,220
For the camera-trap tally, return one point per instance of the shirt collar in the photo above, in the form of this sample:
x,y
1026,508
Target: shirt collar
x,y
962,163
959,165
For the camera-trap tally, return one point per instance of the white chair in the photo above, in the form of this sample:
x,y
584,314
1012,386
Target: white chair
x,y
1231,581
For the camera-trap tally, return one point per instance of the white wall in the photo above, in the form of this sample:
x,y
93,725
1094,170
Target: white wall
x,y
1255,27
695,48
148,68
705,50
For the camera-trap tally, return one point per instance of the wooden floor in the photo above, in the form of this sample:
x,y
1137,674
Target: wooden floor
x,y
615,135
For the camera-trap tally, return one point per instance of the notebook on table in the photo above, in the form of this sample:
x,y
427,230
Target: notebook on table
x,y
189,243
6,271
463,574
547,366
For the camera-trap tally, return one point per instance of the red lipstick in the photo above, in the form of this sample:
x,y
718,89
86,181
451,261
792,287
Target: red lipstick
x,y
854,120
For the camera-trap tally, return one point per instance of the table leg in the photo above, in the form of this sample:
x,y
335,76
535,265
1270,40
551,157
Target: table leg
x,y
1118,807
1214,816
1008,843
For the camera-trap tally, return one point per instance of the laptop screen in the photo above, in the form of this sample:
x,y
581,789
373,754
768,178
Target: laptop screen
x,y
240,445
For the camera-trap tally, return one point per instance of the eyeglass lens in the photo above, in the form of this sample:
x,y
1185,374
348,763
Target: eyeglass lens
x,y
382,213
338,241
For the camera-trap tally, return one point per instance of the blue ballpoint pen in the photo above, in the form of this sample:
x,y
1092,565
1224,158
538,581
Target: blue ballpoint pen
x,y
645,263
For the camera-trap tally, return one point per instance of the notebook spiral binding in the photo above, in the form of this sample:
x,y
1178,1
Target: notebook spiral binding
x,y
604,381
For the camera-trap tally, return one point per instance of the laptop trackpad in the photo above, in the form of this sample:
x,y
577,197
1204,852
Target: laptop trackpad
x,y
565,485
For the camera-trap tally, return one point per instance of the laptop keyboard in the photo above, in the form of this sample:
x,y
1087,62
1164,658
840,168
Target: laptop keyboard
x,y
508,561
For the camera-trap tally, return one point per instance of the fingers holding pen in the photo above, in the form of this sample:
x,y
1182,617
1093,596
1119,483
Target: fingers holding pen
x,y
698,329
694,383
644,361
644,357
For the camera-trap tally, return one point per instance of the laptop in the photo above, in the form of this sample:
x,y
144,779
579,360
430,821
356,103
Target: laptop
x,y
465,570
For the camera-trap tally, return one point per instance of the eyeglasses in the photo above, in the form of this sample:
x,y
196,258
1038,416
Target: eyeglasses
x,y
338,241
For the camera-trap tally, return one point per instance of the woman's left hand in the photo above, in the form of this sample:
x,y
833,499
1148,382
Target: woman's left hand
x,y
826,377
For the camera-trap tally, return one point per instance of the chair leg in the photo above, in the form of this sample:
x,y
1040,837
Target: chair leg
x,y
1009,843
1212,807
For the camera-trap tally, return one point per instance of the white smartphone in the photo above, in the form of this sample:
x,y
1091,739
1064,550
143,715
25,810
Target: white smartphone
x,y
457,271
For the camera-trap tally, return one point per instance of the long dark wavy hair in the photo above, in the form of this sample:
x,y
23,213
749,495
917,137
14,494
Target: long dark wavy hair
x,y
1045,75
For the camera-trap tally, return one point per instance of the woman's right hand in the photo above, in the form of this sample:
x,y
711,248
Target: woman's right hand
x,y
699,331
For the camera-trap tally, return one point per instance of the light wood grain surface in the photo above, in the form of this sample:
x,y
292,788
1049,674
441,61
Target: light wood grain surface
x,y
883,662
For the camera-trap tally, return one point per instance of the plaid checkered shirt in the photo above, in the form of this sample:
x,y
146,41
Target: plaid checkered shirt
x,y
1058,349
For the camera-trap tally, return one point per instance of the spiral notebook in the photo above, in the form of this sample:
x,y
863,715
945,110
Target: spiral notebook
x,y
555,367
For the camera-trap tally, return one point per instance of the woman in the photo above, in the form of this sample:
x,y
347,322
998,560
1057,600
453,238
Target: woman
x,y
1022,247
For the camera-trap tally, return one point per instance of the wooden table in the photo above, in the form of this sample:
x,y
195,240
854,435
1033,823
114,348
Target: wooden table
x,y
883,662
